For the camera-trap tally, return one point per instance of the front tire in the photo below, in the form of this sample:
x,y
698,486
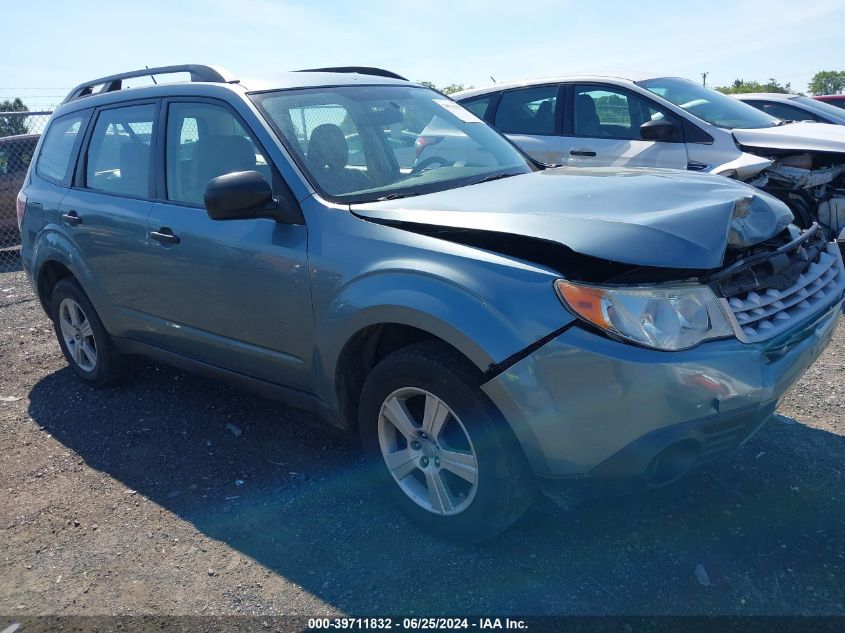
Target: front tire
x,y
439,447
86,345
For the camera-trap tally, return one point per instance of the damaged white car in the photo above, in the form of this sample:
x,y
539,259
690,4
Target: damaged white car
x,y
672,122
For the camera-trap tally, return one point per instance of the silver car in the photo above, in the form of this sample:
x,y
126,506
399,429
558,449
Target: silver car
x,y
590,121
790,107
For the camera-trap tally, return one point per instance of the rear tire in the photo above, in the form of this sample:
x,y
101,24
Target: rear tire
x,y
87,347
457,468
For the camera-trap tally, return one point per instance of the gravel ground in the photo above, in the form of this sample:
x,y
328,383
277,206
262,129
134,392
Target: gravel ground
x,y
140,500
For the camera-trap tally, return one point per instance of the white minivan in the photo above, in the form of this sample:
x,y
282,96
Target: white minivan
x,y
675,123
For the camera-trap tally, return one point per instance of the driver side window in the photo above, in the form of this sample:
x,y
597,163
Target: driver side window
x,y
602,112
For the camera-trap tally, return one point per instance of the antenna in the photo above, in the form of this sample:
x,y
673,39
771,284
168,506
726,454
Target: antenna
x,y
704,79
152,76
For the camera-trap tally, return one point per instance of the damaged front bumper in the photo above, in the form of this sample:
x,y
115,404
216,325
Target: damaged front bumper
x,y
813,194
587,407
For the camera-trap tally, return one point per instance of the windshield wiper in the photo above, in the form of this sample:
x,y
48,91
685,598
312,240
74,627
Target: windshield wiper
x,y
493,177
397,196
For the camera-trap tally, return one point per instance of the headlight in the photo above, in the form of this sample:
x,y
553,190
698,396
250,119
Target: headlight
x,y
663,317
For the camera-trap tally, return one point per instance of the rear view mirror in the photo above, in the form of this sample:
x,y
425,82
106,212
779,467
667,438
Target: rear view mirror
x,y
659,130
385,116
243,195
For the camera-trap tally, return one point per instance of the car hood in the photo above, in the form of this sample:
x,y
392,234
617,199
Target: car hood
x,y
799,136
647,217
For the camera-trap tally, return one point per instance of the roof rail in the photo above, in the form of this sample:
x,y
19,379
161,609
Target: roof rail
x,y
361,70
111,83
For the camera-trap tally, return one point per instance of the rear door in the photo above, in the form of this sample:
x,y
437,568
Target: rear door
x,y
105,211
233,294
604,130
531,118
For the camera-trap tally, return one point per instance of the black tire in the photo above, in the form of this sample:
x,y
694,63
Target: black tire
x,y
111,367
505,484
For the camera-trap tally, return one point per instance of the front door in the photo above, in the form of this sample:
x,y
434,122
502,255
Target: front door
x,y
232,294
605,131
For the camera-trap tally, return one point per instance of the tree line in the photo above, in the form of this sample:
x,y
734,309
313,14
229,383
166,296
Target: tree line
x,y
13,125
825,82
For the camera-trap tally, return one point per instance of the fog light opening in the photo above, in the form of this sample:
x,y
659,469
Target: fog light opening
x,y
672,463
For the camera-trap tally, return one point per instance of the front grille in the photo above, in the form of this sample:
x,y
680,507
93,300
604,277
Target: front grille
x,y
794,283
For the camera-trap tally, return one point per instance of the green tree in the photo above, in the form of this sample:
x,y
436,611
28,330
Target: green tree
x,y
11,125
827,82
446,90
740,86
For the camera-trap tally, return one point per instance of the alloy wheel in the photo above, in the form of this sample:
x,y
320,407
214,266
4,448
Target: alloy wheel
x,y
78,335
428,451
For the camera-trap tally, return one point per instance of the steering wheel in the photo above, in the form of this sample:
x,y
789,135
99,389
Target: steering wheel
x,y
428,162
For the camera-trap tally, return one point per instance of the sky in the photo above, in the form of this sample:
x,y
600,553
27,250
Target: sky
x,y
59,44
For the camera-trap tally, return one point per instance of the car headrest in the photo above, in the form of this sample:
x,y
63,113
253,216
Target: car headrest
x,y
327,148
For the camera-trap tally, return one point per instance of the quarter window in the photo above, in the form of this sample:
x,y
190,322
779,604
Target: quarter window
x,y
204,141
118,159
59,147
478,106
528,111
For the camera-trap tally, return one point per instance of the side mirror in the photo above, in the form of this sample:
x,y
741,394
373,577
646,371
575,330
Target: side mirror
x,y
243,195
659,130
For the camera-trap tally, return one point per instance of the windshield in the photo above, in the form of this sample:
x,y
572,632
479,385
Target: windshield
x,y
364,143
711,106
838,103
822,107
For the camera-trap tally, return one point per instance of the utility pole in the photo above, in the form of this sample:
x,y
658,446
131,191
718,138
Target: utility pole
x,y
704,79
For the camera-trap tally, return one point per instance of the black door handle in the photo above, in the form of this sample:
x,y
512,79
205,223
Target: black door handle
x,y
576,152
72,218
165,236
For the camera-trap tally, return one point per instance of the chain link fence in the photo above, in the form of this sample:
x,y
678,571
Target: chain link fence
x,y
19,133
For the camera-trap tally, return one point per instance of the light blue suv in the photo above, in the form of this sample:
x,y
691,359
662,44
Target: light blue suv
x,y
490,327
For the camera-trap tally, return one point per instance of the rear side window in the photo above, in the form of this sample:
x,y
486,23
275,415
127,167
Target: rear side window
x,y
205,141
528,111
59,147
118,159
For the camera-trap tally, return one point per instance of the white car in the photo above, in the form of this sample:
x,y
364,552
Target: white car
x,y
794,107
442,145
671,122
